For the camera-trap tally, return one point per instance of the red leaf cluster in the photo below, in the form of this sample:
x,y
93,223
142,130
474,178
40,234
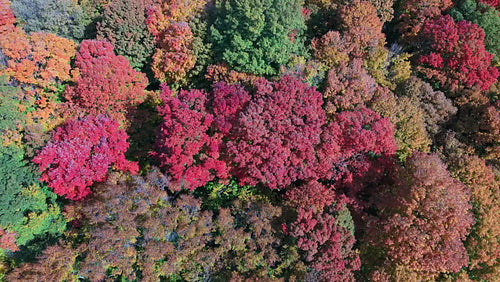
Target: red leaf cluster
x,y
456,57
105,83
328,246
183,145
275,140
349,137
80,153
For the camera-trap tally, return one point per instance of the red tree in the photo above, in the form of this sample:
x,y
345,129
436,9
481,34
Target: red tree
x,y
456,56
227,102
277,133
327,243
105,83
425,217
350,137
183,146
80,153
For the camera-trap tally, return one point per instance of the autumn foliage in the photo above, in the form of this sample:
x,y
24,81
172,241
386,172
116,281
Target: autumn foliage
x,y
456,57
104,83
80,153
425,217
275,138
249,140
183,145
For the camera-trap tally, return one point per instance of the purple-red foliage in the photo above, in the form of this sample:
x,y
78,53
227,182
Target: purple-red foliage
x,y
227,102
351,135
105,83
277,133
328,246
81,153
456,57
183,146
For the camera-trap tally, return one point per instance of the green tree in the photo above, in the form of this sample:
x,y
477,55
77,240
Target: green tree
x,y
26,207
258,36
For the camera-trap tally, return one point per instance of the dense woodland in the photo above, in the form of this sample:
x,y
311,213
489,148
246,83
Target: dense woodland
x,y
249,140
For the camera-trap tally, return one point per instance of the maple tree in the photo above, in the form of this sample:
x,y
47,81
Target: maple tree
x,y
80,153
183,146
275,138
361,25
168,21
482,244
485,17
7,18
455,56
348,86
104,82
38,59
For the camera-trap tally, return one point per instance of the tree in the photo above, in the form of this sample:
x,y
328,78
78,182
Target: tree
x,y
80,153
7,18
485,17
348,85
274,141
326,239
167,21
183,145
361,27
437,109
483,242
257,36
38,59
105,83
174,57
456,56
348,141
407,114
123,24
413,13
61,17
56,263
26,208
425,218
492,3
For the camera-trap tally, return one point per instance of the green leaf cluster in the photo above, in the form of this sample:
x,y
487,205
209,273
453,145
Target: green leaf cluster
x,y
26,207
257,36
